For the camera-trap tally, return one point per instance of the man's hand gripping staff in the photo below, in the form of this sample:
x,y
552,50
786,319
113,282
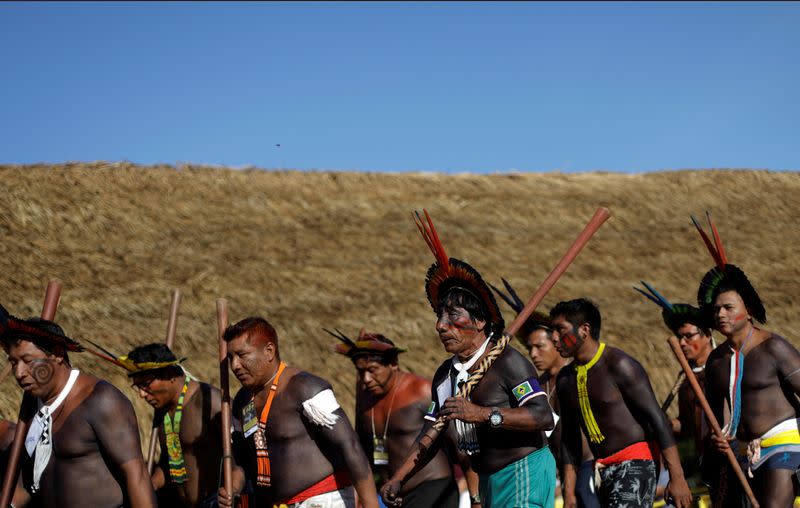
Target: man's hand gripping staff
x,y
413,462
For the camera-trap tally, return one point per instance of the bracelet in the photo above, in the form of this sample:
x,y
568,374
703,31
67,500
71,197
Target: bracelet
x,y
475,498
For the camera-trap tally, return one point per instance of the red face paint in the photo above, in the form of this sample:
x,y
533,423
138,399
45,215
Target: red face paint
x,y
569,340
739,318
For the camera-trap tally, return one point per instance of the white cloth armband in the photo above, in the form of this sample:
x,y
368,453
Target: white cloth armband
x,y
320,409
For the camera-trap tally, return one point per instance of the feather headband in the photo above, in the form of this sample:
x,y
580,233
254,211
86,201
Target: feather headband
x,y
133,367
448,273
727,274
675,314
367,344
35,330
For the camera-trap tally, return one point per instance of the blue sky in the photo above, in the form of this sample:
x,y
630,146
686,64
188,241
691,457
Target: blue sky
x,y
454,87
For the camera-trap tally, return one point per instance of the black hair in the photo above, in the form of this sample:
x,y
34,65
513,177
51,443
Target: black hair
x,y
48,346
577,312
156,353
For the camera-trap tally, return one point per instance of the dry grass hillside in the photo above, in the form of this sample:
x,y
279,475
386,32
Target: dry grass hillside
x,y
327,249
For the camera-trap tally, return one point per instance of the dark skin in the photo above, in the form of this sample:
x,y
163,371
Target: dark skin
x,y
696,347
548,362
521,431
621,397
386,390
301,453
770,384
97,459
200,433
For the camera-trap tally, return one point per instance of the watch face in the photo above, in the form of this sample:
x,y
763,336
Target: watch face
x,y
495,419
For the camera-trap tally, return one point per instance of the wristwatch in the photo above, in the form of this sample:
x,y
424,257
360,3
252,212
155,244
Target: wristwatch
x,y
495,418
475,499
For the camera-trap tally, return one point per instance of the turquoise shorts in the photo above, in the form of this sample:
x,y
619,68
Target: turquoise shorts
x,y
529,482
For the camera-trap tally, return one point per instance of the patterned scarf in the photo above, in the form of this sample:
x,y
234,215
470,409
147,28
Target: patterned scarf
x,y
583,397
177,465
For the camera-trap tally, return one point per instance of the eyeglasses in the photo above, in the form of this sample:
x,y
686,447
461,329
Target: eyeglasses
x,y
143,384
688,336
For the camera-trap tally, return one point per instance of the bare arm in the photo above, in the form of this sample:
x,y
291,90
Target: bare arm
x,y
416,460
117,431
535,415
635,388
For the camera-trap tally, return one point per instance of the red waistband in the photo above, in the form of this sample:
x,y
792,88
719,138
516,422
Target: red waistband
x,y
642,450
335,481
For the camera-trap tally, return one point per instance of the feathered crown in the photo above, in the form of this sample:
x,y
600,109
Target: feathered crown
x,y
727,273
367,344
536,321
675,314
133,367
447,273
35,330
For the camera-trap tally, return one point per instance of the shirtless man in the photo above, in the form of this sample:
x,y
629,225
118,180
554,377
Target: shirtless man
x,y
391,405
83,446
607,394
189,410
501,425
539,340
762,409
294,442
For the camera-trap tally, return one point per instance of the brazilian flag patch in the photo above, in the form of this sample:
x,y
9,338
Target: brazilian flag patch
x,y
522,389
431,408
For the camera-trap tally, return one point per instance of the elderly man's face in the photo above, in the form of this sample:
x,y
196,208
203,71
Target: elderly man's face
x,y
459,332
33,368
375,376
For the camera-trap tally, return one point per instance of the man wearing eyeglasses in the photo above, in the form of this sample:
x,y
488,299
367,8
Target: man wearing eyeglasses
x,y
696,343
187,473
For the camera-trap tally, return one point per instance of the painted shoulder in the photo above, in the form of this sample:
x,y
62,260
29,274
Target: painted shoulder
x,y
304,385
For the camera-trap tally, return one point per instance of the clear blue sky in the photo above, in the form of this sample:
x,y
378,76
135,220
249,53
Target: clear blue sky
x,y
479,87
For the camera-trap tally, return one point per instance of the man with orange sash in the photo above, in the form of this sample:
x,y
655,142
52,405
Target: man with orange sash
x,y
606,393
292,439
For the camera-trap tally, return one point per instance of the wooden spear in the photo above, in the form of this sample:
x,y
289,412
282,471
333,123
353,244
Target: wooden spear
x,y
227,457
172,325
674,391
27,408
600,216
712,420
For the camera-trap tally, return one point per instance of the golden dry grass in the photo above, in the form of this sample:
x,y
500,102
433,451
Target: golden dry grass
x,y
328,249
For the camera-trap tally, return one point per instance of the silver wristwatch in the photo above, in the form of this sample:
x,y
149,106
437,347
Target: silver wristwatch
x,y
495,418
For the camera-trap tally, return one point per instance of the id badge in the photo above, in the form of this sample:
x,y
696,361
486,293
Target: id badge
x,y
380,457
249,419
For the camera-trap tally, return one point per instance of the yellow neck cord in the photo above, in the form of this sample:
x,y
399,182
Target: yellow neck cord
x,y
595,436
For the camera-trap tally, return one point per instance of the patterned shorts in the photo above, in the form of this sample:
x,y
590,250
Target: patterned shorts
x,y
629,484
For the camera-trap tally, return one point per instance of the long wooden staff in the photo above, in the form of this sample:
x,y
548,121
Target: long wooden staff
x,y
674,391
172,325
27,408
698,391
224,386
600,216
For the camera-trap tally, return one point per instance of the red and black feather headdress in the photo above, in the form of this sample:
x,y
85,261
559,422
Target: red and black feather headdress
x,y
36,330
727,274
448,273
367,344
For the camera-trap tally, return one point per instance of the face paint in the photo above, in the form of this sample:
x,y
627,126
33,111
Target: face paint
x,y
739,318
42,371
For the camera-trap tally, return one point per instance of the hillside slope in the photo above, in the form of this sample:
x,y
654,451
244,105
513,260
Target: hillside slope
x,y
327,249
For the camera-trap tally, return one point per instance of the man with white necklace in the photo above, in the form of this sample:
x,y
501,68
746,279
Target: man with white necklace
x,y
501,425
83,445
390,406
607,394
